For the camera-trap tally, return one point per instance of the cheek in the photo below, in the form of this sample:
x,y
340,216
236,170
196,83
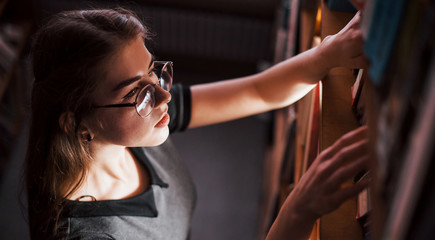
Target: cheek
x,y
130,130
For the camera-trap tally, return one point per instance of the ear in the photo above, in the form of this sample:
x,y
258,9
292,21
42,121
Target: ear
x,y
85,132
67,122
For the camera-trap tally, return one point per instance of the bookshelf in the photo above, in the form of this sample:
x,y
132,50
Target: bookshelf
x,y
15,77
395,98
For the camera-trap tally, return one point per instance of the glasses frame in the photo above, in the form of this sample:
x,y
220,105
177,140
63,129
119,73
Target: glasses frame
x,y
161,82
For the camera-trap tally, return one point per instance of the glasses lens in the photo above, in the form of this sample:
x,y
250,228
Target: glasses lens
x,y
145,101
165,77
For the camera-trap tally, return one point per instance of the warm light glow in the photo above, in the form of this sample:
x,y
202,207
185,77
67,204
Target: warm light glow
x,y
318,22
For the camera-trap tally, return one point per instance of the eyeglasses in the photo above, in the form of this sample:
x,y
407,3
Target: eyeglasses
x,y
145,98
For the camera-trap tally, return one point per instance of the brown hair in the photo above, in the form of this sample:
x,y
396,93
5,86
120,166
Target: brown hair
x,y
69,53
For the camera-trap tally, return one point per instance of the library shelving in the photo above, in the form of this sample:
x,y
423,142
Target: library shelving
x,y
394,97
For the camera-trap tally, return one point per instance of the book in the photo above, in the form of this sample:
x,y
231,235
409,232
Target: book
x,y
313,130
358,97
363,206
357,86
385,23
363,199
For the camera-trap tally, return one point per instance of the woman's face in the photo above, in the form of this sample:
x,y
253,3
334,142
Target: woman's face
x,y
127,72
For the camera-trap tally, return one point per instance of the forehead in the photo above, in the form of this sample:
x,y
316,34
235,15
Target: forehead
x,y
131,60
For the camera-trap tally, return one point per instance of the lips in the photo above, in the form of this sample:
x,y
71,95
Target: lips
x,y
164,121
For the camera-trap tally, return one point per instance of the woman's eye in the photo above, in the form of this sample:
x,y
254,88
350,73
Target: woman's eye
x,y
131,93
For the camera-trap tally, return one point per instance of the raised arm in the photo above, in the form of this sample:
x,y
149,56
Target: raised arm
x,y
280,85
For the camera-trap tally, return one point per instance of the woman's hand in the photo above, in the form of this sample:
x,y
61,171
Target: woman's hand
x,y
321,189
345,49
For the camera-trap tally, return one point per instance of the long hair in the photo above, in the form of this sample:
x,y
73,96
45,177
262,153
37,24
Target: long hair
x,y
69,53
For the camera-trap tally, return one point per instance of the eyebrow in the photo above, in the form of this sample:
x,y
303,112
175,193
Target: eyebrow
x,y
133,79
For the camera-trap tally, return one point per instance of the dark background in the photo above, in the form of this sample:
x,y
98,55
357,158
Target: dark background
x,y
208,41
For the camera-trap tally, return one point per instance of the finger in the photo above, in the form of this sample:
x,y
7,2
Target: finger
x,y
345,155
348,192
326,169
344,141
349,153
356,20
347,172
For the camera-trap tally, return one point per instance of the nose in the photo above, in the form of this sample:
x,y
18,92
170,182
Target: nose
x,y
161,96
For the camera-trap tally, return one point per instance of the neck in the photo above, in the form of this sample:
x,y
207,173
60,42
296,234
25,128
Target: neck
x,y
113,174
111,160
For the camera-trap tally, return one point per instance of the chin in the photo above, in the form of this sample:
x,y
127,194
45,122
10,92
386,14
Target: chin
x,y
158,138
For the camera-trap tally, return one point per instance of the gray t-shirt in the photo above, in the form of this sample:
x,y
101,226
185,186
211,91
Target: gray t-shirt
x,y
163,211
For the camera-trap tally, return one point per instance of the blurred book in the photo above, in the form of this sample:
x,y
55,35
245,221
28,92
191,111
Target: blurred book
x,y
385,22
358,97
364,207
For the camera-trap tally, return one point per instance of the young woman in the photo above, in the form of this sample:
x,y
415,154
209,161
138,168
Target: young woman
x,y
99,163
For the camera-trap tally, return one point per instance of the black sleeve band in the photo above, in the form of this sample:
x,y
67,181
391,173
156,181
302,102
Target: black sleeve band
x,y
179,108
